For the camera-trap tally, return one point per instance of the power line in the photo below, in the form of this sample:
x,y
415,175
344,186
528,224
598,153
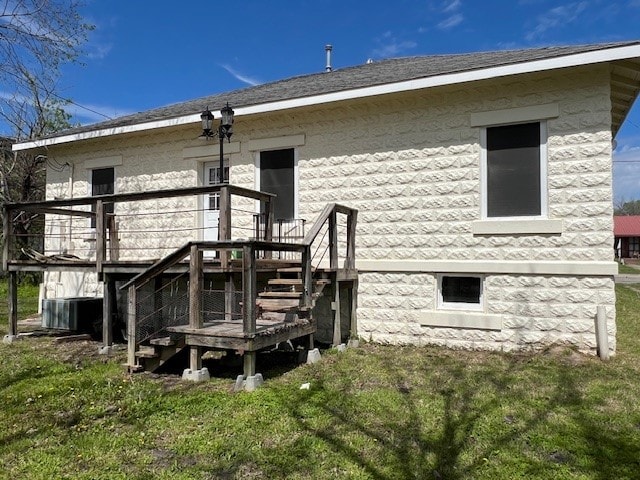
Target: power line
x,y
81,106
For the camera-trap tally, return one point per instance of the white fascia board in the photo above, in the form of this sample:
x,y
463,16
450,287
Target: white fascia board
x,y
138,127
586,58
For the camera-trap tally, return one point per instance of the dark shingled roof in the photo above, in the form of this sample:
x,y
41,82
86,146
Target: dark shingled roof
x,y
367,75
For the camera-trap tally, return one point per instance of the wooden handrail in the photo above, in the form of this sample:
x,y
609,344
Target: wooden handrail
x,y
160,266
137,196
103,224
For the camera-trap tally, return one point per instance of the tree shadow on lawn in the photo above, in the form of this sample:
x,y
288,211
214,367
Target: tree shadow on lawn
x,y
464,421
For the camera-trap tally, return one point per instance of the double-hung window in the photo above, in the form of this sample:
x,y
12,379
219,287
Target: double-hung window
x,y
514,170
102,183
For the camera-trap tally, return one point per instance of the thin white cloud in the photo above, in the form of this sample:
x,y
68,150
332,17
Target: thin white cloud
x,y
391,46
451,21
239,76
555,18
98,52
451,6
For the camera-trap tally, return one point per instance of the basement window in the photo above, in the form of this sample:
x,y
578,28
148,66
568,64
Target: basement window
x,y
460,292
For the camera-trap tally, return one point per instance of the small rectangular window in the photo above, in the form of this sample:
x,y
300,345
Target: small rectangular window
x,y
460,292
514,170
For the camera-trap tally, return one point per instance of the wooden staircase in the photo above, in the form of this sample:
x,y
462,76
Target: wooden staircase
x,y
277,305
266,300
281,299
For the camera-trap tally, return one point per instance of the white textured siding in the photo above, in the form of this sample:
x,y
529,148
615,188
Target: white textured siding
x,y
410,163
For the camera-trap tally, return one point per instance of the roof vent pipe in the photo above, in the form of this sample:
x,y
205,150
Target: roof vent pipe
x,y
328,48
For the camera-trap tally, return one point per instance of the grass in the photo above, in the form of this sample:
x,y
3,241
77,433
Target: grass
x,y
377,412
27,300
628,269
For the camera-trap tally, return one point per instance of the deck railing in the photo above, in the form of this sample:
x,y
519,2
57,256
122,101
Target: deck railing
x,y
151,310
144,226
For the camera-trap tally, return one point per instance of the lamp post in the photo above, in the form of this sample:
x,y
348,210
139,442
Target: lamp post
x,y
225,130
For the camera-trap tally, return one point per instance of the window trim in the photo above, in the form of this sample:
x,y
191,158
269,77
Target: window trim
x,y
544,193
475,307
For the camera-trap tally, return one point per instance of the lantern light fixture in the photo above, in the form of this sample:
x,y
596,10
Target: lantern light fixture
x,y
224,130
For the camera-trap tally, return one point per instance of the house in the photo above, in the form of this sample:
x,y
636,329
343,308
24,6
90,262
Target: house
x,y
482,182
626,230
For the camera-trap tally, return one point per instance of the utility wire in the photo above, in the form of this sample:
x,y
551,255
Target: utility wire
x,y
81,106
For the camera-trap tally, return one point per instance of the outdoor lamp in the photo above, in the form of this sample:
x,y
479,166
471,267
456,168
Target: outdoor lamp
x,y
226,117
225,130
207,122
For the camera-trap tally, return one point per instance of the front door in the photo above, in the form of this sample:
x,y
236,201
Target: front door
x,y
212,200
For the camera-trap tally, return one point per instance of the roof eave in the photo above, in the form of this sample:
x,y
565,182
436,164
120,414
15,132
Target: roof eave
x,y
564,61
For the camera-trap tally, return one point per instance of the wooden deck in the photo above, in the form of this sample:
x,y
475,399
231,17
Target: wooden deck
x,y
230,335
260,299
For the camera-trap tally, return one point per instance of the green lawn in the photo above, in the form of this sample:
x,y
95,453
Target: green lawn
x,y
628,269
377,412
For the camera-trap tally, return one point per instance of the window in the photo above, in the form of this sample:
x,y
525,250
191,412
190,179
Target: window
x,y
277,176
460,292
514,170
102,183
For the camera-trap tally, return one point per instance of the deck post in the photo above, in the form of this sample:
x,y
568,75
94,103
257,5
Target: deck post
x,y
335,309
108,297
249,305
12,292
229,293
307,280
131,327
224,230
268,225
101,237
195,302
350,261
353,327
8,236
114,240
333,240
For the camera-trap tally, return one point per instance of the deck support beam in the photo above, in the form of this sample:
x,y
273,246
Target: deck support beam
x,y
249,295
108,301
353,326
195,302
335,311
12,292
131,328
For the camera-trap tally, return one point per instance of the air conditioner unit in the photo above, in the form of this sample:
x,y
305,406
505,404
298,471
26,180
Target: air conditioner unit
x,y
79,313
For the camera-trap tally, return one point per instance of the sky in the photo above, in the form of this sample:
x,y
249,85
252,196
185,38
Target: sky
x,y
145,54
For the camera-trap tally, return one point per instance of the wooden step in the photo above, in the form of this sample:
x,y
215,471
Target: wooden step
x,y
146,352
285,281
293,269
296,281
277,304
280,294
163,341
278,317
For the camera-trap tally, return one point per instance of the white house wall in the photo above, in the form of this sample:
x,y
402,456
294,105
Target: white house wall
x,y
410,163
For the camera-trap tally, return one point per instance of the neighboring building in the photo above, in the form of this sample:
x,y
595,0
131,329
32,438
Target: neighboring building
x,y
483,184
626,230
